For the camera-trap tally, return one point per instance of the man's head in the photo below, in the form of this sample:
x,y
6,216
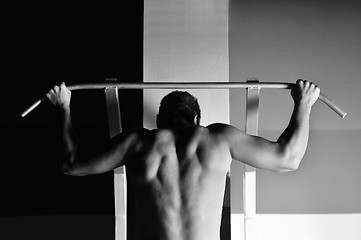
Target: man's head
x,y
178,109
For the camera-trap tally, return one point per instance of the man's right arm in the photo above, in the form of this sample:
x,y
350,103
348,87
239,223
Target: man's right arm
x,y
286,153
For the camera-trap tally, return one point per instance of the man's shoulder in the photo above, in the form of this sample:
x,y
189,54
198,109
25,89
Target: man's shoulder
x,y
137,134
222,130
219,128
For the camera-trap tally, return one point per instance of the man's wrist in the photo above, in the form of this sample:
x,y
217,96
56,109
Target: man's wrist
x,y
303,111
64,108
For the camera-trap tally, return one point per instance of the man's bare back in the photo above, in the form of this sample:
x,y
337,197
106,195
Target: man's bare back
x,y
178,174
179,179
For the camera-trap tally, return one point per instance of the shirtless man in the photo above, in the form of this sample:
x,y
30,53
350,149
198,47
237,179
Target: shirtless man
x,y
178,171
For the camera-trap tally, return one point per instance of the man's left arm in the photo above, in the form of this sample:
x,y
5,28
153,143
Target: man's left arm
x,y
80,159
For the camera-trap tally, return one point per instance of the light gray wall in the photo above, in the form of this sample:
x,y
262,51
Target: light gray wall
x,y
319,41
186,41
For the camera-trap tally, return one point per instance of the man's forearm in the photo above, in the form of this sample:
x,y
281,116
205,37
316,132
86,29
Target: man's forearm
x,y
295,137
69,140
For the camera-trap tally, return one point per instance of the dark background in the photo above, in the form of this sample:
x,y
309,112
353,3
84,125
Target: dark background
x,y
45,45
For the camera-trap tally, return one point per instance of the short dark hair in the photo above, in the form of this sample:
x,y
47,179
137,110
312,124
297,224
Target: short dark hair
x,y
178,109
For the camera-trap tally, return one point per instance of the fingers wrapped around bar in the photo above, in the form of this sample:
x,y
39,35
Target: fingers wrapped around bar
x,y
305,92
60,96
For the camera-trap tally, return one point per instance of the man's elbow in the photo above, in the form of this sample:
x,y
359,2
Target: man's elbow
x,y
71,170
71,166
289,162
286,167
291,166
67,169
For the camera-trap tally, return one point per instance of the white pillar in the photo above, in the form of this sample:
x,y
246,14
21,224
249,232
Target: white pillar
x,y
120,181
249,175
